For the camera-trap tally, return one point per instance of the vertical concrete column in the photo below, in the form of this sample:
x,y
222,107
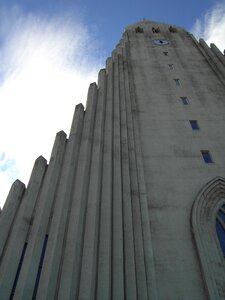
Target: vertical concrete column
x,y
20,229
212,58
218,54
105,226
38,230
146,233
89,255
70,274
9,212
117,254
48,281
129,256
142,290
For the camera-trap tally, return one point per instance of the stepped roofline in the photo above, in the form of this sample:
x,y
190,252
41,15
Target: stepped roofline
x,y
148,24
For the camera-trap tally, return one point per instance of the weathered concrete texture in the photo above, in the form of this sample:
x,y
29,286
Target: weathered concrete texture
x,y
109,217
90,246
48,282
103,290
71,261
217,52
42,217
173,167
10,210
20,230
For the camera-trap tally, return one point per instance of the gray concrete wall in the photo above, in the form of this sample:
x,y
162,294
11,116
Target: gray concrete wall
x,y
174,169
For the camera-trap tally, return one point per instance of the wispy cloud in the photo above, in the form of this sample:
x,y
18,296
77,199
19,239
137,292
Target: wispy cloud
x,y
47,65
211,26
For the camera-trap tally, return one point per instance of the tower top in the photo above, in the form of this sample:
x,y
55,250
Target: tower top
x,y
156,27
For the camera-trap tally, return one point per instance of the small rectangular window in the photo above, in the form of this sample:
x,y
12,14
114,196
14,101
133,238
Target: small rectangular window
x,y
194,124
165,53
177,81
184,100
170,66
206,156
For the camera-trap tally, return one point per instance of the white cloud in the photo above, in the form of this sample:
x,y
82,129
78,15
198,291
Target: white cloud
x,y
47,65
211,27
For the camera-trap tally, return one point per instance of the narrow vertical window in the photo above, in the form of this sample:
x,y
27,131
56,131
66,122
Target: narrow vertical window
x,y
184,100
170,66
220,228
206,156
40,267
194,124
18,271
177,81
165,53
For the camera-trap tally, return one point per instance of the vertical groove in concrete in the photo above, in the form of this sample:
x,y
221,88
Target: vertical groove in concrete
x,y
20,229
89,253
51,268
103,289
37,234
9,212
129,248
69,277
142,292
117,254
148,249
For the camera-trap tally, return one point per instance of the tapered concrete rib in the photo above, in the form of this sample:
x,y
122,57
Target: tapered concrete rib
x,y
142,290
109,65
207,57
117,254
212,58
217,52
69,280
9,212
20,229
105,226
147,239
89,255
77,123
51,269
129,256
38,230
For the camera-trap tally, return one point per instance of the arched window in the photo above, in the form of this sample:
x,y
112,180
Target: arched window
x,y
207,219
220,227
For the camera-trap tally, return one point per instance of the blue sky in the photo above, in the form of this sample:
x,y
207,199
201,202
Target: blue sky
x,y
51,50
107,19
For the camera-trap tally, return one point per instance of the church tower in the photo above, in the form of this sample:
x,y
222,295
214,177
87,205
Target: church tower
x,y
132,203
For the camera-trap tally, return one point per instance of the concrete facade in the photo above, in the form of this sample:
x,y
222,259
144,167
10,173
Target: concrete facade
x,y
127,206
